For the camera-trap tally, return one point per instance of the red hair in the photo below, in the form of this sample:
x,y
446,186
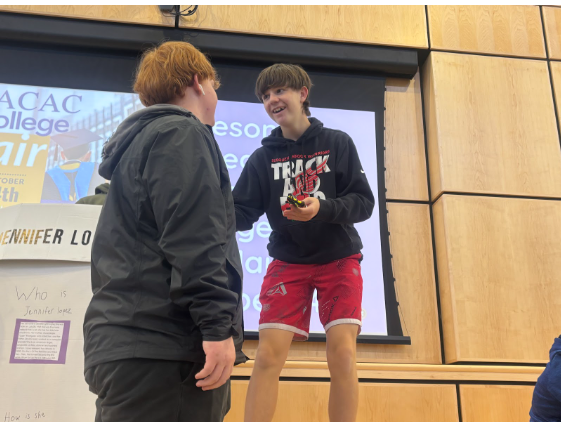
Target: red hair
x,y
165,71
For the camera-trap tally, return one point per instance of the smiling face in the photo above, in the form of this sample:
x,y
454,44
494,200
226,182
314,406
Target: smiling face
x,y
284,90
284,105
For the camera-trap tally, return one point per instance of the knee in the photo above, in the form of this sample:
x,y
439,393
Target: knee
x,y
341,360
269,359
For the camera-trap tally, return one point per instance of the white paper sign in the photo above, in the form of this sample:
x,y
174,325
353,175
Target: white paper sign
x,y
48,231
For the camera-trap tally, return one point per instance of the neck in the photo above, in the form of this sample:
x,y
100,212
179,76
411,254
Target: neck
x,y
295,131
190,102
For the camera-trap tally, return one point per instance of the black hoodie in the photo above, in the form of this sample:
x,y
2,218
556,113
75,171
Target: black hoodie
x,y
166,270
322,163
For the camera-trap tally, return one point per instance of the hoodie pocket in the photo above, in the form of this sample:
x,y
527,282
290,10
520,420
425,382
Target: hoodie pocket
x,y
311,238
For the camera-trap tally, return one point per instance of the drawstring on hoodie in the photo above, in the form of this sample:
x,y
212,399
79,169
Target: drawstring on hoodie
x,y
304,173
294,175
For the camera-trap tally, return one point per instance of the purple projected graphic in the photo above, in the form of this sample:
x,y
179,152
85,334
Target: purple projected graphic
x,y
239,129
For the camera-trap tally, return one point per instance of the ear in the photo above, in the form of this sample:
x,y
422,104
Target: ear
x,y
304,94
62,156
196,86
87,157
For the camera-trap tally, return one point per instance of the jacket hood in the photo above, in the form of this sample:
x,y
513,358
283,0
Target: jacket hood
x,y
277,140
116,146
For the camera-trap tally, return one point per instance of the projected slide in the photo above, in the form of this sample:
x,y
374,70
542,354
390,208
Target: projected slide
x,y
50,149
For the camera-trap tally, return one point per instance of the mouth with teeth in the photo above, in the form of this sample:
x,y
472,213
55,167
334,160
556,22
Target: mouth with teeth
x,y
278,110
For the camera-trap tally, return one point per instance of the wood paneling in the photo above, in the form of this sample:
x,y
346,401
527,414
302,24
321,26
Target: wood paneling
x,y
503,30
388,25
406,174
500,285
496,403
432,128
148,15
491,126
411,246
409,372
552,23
307,401
556,76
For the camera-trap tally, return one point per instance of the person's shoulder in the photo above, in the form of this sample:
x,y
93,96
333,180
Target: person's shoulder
x,y
180,127
335,134
173,122
555,364
258,156
335,139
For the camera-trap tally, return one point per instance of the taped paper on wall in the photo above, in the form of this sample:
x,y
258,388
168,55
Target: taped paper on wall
x,y
40,342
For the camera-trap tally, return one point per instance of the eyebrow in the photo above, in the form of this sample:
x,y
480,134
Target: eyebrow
x,y
273,88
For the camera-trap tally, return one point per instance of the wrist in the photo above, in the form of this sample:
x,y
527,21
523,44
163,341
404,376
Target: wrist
x,y
324,211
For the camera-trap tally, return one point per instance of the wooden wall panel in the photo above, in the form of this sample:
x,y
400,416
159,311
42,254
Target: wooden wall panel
x,y
307,401
388,25
409,372
496,403
555,68
432,127
500,286
552,23
491,126
411,246
148,15
503,30
406,174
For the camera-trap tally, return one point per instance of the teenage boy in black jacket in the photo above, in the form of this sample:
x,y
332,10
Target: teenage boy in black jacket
x,y
164,326
315,246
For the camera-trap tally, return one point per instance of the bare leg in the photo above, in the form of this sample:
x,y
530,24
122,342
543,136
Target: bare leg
x,y
263,387
341,359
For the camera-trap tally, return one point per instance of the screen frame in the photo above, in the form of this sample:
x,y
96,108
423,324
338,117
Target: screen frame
x,y
107,71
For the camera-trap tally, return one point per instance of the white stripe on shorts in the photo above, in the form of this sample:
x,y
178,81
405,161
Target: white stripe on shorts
x,y
283,327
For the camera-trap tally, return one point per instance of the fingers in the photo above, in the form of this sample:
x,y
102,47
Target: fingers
x,y
213,378
226,372
297,211
293,216
220,358
303,214
210,364
298,214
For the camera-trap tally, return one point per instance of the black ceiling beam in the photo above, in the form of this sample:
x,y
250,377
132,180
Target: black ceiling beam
x,y
132,39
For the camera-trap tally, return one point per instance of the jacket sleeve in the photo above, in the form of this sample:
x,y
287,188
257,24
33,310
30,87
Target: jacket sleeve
x,y
184,189
355,200
248,199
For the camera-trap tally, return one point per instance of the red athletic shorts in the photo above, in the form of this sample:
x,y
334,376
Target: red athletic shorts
x,y
288,289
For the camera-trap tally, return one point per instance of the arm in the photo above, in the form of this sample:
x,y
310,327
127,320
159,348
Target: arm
x,y
248,200
355,200
184,189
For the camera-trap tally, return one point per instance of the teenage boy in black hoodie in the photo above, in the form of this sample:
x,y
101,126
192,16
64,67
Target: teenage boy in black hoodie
x,y
315,246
